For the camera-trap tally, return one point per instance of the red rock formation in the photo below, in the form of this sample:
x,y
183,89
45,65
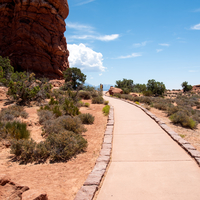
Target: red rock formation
x,y
32,35
114,90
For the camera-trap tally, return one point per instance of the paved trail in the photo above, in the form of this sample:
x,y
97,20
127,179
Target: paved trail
x,y
146,163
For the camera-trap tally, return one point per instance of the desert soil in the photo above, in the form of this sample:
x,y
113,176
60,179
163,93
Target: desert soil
x,y
60,180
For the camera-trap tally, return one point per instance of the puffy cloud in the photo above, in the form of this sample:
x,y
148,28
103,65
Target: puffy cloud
x,y
196,27
133,55
85,58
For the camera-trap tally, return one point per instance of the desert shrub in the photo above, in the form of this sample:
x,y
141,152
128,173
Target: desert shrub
x,y
69,108
94,93
106,110
106,102
56,111
87,104
183,119
147,93
65,145
88,88
172,109
117,95
9,113
126,90
57,147
97,100
6,71
17,130
80,104
136,99
84,95
3,133
86,118
53,101
64,123
45,115
160,106
146,100
23,150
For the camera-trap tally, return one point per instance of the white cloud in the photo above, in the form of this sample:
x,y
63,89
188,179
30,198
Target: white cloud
x,y
85,58
100,74
133,55
85,32
159,50
80,27
196,27
105,38
142,44
164,44
84,2
108,37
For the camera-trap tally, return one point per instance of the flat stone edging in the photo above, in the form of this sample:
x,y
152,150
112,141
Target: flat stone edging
x,y
93,180
183,143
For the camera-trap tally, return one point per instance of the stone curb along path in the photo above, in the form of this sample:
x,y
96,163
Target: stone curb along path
x,y
183,143
93,180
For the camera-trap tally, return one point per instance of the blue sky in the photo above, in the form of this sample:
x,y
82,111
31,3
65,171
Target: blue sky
x,y
135,39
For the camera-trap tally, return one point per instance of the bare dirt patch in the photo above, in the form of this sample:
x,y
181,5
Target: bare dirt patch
x,y
60,180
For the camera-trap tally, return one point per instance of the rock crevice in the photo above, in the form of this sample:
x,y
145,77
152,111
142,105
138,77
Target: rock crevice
x,y
32,35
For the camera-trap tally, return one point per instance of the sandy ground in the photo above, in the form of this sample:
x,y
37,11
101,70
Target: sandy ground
x,y
192,136
61,181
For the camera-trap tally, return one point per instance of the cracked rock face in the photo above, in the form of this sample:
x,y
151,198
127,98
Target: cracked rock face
x,y
32,35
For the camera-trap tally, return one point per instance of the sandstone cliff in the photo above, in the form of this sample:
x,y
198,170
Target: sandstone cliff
x,y
32,35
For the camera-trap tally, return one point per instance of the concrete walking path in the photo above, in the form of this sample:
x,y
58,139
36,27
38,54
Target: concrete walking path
x,y
146,164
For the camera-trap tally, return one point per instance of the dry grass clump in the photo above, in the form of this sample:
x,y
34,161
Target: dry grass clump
x,y
11,112
86,118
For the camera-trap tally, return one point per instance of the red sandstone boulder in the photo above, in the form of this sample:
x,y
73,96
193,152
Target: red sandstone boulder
x,y
114,90
12,191
32,35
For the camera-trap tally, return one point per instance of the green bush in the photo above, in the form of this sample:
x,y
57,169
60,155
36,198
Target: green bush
x,y
64,123
86,118
65,145
57,147
183,119
97,100
106,102
53,101
69,108
84,95
106,110
87,104
17,130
